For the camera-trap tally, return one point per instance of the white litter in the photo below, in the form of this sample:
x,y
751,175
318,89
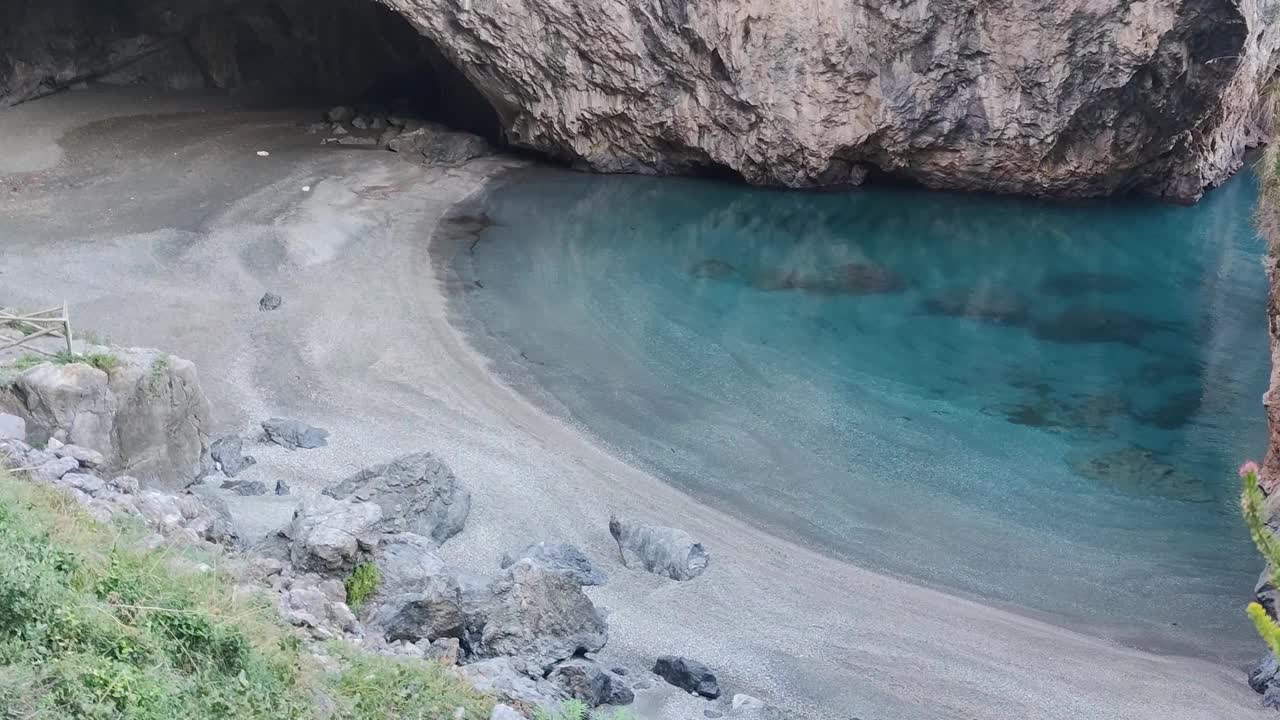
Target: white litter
x,y
263,153
306,188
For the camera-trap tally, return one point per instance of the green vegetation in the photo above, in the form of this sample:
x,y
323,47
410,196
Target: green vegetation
x,y
362,584
92,628
105,362
157,377
1252,504
577,710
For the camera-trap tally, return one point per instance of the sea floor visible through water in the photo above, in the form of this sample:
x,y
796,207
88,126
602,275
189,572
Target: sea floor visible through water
x,y
1040,405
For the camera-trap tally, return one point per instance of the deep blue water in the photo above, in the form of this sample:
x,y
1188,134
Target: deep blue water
x,y
1041,405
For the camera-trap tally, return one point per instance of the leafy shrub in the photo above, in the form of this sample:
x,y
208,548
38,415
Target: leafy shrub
x,y
1252,503
362,584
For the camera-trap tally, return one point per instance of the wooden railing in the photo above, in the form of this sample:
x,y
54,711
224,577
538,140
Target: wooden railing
x,y
44,323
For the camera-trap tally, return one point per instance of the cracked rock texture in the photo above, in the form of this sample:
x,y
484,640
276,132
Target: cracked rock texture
x,y
1039,97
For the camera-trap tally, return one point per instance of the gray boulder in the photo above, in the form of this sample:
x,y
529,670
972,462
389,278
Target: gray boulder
x,y
319,605
405,562
590,682
1264,673
147,417
687,674
86,457
88,484
52,471
433,611
559,556
330,536
537,614
12,427
660,550
417,493
294,434
434,144
1271,698
228,453
511,680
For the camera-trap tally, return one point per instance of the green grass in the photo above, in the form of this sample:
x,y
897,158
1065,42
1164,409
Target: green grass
x,y
362,584
92,628
158,376
577,710
105,362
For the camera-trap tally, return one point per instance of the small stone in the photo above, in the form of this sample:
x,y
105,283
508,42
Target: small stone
x,y
357,141
53,444
227,453
712,713
746,702
618,670
282,488
378,124
263,153
361,122
247,488
269,301
340,130
12,427
446,650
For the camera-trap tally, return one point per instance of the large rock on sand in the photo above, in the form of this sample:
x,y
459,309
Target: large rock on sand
x,y
660,550
147,414
561,557
417,493
329,536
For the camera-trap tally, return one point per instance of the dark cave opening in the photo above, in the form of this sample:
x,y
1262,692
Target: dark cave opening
x,y
314,52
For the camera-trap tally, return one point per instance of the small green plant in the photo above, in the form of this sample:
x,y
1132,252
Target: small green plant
x,y
373,687
362,584
578,710
1252,503
158,376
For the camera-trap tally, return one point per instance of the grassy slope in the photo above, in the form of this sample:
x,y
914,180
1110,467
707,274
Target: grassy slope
x,y
92,627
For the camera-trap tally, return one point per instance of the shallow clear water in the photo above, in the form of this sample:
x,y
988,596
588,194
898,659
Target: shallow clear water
x,y
1040,405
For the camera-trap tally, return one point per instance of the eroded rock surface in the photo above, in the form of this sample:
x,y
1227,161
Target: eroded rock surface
x,y
418,493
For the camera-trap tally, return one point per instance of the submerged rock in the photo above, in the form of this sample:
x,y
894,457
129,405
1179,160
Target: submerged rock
x,y
687,674
1094,325
1085,283
712,269
417,493
984,305
1171,412
660,550
1140,472
848,279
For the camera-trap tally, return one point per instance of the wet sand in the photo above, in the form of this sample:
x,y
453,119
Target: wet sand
x,y
161,226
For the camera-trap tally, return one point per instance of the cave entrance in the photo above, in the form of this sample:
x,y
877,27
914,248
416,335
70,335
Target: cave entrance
x,y
321,52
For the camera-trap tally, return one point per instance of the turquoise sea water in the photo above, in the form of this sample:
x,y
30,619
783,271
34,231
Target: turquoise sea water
x,y
1039,405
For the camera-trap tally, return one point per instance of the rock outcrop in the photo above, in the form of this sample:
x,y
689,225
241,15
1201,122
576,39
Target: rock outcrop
x,y
1031,96
146,413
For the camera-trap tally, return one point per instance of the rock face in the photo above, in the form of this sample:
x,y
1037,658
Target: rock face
x,y
1040,97
147,416
1030,96
417,493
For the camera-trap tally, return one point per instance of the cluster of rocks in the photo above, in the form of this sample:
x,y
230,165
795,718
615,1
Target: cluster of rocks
x,y
413,138
81,473
527,632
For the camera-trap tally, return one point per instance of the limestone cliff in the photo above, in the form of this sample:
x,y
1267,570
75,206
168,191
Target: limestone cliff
x,y
1043,97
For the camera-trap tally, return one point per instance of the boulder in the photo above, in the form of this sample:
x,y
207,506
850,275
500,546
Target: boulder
x,y
340,114
1264,673
90,485
417,493
53,470
434,144
86,457
536,614
590,682
12,427
660,550
227,453
444,650
561,557
687,674
146,417
433,611
330,536
294,434
282,487
405,562
511,680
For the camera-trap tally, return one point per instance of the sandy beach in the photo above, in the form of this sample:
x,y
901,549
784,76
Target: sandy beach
x,y
156,219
